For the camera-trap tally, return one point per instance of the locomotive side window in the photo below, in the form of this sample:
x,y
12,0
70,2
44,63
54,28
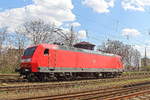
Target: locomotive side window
x,y
46,52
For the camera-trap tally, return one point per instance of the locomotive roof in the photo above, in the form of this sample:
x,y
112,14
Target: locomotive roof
x,y
86,51
52,46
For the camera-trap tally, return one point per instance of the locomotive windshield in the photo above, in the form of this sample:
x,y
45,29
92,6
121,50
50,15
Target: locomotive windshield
x,y
29,51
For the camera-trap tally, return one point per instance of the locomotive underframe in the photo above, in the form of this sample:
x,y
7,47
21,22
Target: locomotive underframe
x,y
67,74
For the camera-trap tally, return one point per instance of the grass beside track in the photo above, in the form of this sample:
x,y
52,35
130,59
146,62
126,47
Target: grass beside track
x,y
76,88
135,72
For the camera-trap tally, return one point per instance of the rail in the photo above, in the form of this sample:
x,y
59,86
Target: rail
x,y
102,94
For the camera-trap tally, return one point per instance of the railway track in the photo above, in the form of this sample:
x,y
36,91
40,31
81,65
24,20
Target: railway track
x,y
9,78
52,85
26,87
114,93
133,95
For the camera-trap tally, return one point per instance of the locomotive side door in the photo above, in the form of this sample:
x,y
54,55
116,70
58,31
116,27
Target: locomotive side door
x,y
52,59
46,57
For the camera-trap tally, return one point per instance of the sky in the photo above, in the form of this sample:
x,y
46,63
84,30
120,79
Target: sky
x,y
125,20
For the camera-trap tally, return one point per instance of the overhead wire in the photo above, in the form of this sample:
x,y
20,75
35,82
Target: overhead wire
x,y
116,28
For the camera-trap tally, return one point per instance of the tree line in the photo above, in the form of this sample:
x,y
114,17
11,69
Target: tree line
x,y
12,44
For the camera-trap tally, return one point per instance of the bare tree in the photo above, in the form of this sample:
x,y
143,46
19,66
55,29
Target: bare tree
x,y
37,31
137,58
40,32
19,42
130,56
68,38
8,54
3,35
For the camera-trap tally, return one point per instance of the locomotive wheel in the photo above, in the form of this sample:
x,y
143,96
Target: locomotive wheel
x,y
104,75
97,75
64,76
43,78
114,75
31,77
68,78
60,78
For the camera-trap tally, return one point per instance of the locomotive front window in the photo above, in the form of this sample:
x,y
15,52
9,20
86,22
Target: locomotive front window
x,y
29,51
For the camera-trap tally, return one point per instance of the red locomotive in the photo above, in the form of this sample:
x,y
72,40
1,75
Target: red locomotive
x,y
46,61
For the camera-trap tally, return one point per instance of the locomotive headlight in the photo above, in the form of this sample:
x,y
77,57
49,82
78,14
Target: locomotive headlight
x,y
26,60
22,60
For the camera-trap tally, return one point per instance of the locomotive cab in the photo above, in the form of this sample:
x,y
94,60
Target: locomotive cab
x,y
35,58
27,56
26,60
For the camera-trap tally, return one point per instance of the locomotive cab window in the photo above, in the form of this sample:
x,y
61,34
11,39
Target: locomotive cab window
x,y
46,52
